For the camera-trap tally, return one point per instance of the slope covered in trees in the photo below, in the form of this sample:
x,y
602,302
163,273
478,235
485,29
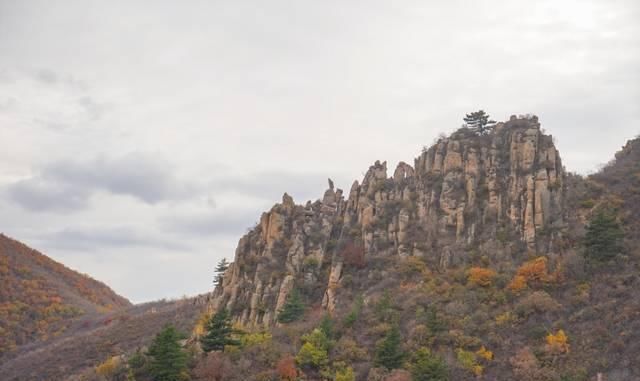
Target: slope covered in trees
x,y
474,265
40,298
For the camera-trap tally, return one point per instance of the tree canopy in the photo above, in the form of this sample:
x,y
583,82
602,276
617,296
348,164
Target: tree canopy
x,y
219,332
479,122
222,266
603,239
293,308
389,354
168,360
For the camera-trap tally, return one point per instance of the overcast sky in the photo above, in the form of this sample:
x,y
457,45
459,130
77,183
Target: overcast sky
x,y
139,140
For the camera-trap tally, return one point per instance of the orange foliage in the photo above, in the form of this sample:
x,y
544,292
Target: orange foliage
x,y
534,270
33,304
558,343
481,276
485,353
286,368
517,284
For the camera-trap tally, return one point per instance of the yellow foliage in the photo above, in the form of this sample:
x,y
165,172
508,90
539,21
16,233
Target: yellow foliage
x,y
201,325
504,318
108,367
477,370
558,343
485,353
481,276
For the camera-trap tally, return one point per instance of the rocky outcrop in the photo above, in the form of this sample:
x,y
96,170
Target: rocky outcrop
x,y
464,190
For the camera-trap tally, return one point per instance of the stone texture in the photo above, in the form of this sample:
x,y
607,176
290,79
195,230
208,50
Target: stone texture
x,y
462,191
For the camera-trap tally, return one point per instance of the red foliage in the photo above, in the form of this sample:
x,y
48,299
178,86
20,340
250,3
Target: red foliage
x,y
286,368
353,255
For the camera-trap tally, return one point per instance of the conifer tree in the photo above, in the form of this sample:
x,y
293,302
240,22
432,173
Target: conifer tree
x,y
603,240
222,266
388,353
219,332
293,308
479,122
168,360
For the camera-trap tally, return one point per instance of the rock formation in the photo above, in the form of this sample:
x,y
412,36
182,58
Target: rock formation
x,y
464,190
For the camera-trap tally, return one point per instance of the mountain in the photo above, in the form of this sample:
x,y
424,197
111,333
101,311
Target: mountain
x,y
482,260
41,298
495,197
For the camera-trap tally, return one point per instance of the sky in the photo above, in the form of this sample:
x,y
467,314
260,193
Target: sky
x,y
139,140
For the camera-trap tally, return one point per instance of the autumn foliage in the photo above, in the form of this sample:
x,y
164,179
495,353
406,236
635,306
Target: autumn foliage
x,y
38,296
529,273
353,255
558,342
286,368
481,276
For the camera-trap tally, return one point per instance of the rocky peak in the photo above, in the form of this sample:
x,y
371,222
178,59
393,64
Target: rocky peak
x,y
464,190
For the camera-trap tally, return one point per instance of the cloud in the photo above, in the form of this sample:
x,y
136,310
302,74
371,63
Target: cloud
x,y
211,224
100,238
68,185
37,194
271,184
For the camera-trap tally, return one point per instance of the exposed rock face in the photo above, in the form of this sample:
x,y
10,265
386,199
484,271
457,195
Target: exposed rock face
x,y
464,190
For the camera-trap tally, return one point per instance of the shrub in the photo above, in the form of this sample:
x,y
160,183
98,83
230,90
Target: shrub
x,y
469,361
293,308
354,314
603,239
109,367
538,301
215,367
481,276
425,366
389,354
286,369
353,255
315,350
347,349
558,342
345,373
534,270
485,353
517,284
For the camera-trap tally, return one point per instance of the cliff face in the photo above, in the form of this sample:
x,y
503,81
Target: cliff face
x,y
466,191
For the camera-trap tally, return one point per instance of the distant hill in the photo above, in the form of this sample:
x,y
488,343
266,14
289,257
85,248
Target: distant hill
x,y
41,298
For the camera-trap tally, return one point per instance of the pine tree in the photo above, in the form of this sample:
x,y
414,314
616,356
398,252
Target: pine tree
x,y
388,353
168,360
219,332
326,326
479,122
222,266
603,240
293,308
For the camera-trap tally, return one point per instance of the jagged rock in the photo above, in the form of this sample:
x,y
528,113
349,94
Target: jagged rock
x,y
461,191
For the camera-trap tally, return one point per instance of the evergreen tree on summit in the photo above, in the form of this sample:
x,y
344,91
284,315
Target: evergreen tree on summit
x,y
479,122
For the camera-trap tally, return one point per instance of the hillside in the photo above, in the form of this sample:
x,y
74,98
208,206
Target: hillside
x,y
41,298
472,263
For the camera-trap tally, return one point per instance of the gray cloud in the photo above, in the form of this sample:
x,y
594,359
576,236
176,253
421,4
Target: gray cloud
x,y
101,238
67,185
270,185
253,99
37,194
212,224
